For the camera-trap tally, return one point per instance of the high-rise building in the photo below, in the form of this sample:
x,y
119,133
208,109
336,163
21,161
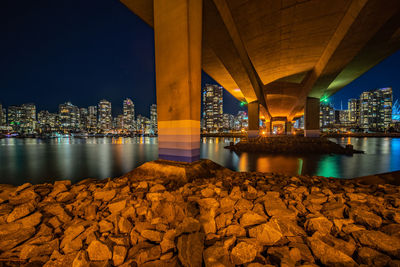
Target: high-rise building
x,y
228,122
129,115
212,107
118,123
1,115
341,116
22,118
376,109
47,122
353,106
241,121
83,118
92,118
105,117
327,115
153,118
68,116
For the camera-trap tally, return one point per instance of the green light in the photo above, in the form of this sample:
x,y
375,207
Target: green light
x,y
324,99
242,103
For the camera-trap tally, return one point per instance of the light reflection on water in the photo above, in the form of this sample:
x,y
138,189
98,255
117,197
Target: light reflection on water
x,y
37,161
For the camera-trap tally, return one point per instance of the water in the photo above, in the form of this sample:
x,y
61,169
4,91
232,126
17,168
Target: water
x,y
38,161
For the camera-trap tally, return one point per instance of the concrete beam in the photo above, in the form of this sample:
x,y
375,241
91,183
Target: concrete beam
x,y
177,35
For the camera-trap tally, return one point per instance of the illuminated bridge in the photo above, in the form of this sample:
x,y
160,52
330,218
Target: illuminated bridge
x,y
282,57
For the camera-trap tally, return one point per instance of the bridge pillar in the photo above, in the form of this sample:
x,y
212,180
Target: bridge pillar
x,y
288,127
177,36
311,117
253,109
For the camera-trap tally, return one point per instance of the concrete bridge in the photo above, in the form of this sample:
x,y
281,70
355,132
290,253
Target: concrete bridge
x,y
280,56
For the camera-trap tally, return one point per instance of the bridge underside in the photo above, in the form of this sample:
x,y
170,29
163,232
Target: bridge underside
x,y
278,54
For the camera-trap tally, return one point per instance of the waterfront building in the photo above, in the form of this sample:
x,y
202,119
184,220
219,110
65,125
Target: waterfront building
x,y
153,118
47,122
241,121
22,118
105,117
353,106
327,115
83,119
92,119
69,117
228,122
341,116
396,111
212,108
376,109
119,122
128,115
2,122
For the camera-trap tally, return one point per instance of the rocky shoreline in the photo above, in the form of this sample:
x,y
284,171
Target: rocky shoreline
x,y
291,145
226,219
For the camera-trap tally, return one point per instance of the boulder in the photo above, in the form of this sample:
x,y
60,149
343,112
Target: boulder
x,y
267,234
367,218
251,218
243,252
13,234
320,224
20,211
190,249
154,236
379,241
217,255
81,259
327,254
119,254
371,257
99,251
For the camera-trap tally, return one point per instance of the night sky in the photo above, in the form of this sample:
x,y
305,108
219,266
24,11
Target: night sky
x,y
53,51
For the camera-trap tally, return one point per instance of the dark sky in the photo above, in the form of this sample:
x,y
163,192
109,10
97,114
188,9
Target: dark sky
x,y
82,51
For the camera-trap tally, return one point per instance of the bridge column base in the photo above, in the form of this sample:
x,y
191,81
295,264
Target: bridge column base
x,y
254,119
312,133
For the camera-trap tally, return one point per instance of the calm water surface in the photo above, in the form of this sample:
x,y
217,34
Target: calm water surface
x,y
37,161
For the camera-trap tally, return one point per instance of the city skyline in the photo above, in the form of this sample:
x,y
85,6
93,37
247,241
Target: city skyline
x,y
103,58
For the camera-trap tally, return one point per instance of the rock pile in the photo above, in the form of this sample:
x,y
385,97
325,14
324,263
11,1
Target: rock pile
x,y
291,145
249,219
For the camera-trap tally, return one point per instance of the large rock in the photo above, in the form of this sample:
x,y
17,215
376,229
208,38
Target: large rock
x,y
20,211
379,241
99,251
372,257
13,234
251,218
190,249
216,255
274,206
31,251
367,218
318,224
267,234
119,254
327,254
243,252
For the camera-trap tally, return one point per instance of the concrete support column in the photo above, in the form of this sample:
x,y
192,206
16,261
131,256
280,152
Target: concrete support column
x,y
253,110
268,127
288,127
311,117
177,36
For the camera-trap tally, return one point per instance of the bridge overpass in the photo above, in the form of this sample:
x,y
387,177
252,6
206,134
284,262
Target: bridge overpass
x,y
279,56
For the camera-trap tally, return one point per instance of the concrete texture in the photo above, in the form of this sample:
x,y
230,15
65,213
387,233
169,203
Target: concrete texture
x,y
311,117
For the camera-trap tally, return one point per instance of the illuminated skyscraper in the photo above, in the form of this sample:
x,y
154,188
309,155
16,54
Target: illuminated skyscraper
x,y
69,117
153,118
376,109
47,122
92,118
22,118
228,122
105,117
2,116
129,115
83,118
327,115
353,106
212,108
